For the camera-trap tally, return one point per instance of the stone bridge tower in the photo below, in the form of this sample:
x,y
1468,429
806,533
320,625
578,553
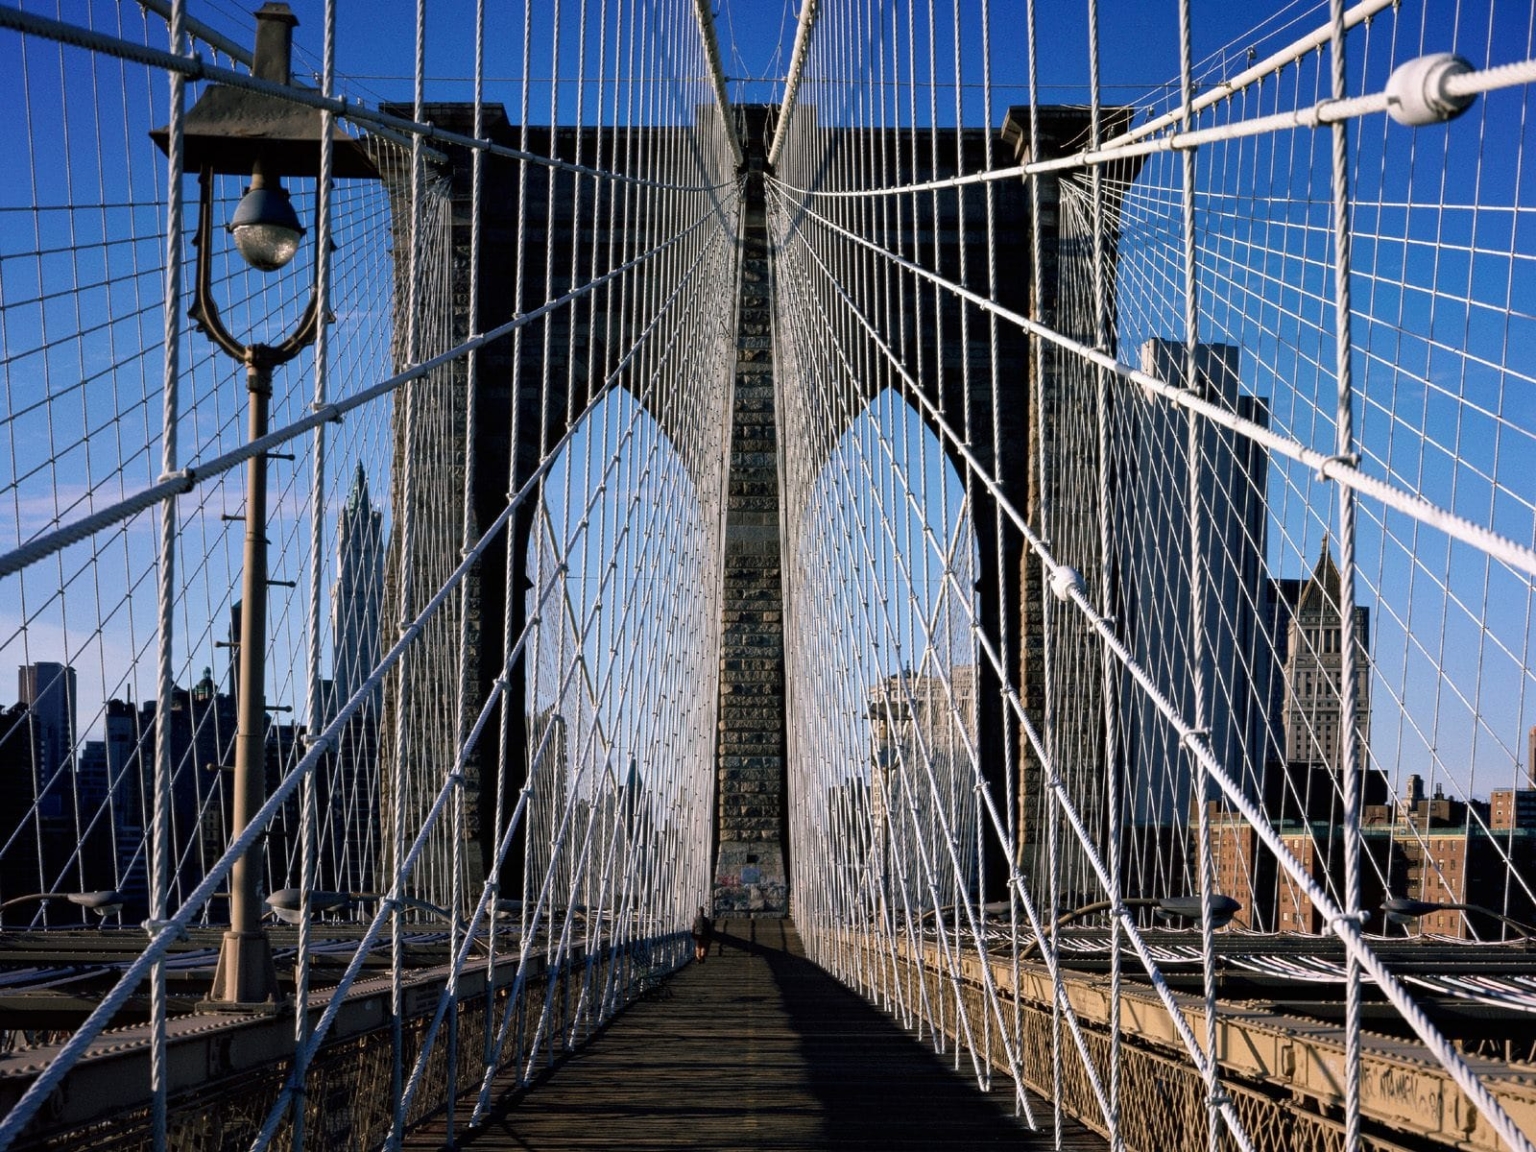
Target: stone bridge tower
x,y
750,850
751,829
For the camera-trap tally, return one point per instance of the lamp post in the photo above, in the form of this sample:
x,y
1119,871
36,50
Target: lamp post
x,y
1401,909
1223,909
103,902
238,132
288,904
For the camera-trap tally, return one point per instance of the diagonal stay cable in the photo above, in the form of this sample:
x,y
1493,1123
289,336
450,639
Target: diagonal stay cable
x,y
188,478
166,932
1500,547
195,68
1347,930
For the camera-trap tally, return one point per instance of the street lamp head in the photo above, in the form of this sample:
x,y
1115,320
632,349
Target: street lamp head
x,y
287,904
103,903
229,129
1400,909
265,227
1223,908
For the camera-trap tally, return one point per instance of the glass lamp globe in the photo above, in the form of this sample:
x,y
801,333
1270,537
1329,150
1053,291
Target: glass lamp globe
x,y
266,228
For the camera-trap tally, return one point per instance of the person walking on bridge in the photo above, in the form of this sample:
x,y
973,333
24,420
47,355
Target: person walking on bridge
x,y
703,929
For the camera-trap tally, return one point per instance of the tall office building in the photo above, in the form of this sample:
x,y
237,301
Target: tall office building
x,y
349,782
922,786
1152,525
201,742
48,690
358,595
1303,749
1307,644
125,737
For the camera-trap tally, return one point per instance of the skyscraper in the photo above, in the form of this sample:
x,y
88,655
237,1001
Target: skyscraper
x,y
1153,527
349,780
201,738
922,786
1302,778
1307,645
48,690
357,597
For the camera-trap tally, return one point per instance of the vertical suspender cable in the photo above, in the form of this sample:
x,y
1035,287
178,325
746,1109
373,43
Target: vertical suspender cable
x,y
1197,576
511,733
316,712
407,514
467,538
1006,611
1042,434
1350,758
1109,679
161,846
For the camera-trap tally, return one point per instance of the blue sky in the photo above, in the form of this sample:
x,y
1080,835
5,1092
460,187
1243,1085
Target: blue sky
x,y
1446,271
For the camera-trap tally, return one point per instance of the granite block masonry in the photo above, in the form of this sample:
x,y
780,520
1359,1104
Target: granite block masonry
x,y
751,873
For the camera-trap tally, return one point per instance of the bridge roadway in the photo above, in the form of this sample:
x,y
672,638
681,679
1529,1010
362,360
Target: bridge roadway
x,y
756,1048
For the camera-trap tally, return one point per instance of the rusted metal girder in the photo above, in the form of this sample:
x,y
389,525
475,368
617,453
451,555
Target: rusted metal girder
x,y
213,1059
1288,1063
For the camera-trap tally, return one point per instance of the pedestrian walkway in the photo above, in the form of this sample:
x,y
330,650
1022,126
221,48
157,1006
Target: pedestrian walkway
x,y
756,1048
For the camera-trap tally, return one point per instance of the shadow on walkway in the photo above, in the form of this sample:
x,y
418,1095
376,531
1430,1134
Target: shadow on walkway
x,y
757,1048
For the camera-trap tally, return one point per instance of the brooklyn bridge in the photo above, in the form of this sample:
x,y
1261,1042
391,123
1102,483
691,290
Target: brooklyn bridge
x,y
876,574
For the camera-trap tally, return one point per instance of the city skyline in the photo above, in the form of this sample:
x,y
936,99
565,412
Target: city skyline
x,y
88,808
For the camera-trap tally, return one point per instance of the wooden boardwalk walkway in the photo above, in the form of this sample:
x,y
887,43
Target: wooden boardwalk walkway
x,y
757,1048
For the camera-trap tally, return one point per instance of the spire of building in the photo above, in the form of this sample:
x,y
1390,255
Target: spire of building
x,y
357,495
1322,589
358,594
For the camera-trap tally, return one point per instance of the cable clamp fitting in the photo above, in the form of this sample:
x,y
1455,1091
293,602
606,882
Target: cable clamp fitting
x,y
185,478
1416,91
156,927
1352,459
1065,581
1358,918
1193,734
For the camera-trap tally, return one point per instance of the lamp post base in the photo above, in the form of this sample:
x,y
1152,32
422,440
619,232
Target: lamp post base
x,y
245,979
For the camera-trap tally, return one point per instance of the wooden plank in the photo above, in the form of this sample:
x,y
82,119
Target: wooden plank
x,y
756,1048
